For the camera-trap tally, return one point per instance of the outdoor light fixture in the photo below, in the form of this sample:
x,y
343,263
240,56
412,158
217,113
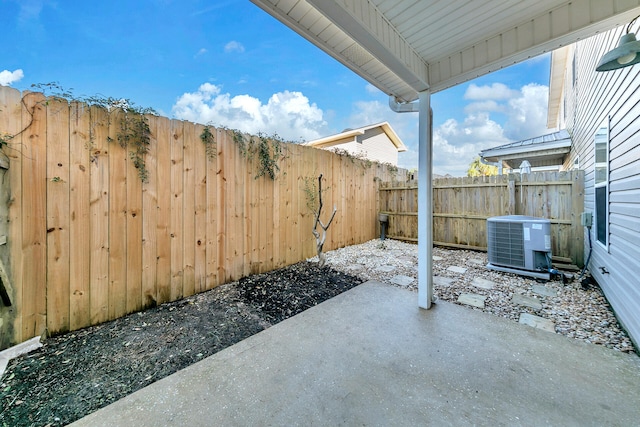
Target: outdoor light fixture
x,y
627,53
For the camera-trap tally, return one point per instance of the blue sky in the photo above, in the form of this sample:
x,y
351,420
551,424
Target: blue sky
x,y
229,63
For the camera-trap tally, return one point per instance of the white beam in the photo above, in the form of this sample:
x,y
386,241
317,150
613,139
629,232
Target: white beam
x,y
425,201
382,40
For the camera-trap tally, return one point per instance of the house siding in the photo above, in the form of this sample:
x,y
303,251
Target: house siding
x,y
374,144
587,102
378,147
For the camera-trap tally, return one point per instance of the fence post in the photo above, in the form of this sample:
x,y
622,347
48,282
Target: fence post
x,y
511,188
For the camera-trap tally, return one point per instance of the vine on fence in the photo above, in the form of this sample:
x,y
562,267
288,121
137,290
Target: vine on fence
x,y
209,142
135,136
134,133
268,149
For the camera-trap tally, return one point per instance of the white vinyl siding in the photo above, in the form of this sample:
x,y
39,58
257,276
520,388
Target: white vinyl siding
x,y
374,144
594,98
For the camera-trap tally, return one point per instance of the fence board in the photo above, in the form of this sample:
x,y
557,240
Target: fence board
x,y
220,196
116,244
200,236
34,225
461,207
11,123
150,222
133,240
211,215
57,183
79,221
163,236
189,218
99,217
117,219
177,218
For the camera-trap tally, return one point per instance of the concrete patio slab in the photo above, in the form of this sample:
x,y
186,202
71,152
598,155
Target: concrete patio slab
x,y
456,269
370,356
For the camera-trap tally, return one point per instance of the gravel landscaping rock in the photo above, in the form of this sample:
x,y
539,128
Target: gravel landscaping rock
x,y
578,313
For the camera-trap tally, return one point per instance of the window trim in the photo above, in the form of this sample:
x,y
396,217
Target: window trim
x,y
606,123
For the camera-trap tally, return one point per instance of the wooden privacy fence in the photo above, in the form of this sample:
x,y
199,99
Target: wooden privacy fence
x,y
88,241
461,207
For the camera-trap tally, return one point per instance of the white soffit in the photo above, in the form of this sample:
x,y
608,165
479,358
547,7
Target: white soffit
x,y
406,46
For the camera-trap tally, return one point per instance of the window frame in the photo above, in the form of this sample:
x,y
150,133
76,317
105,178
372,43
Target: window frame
x,y
602,184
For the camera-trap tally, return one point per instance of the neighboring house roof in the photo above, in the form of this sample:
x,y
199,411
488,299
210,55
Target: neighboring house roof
x,y
351,134
545,150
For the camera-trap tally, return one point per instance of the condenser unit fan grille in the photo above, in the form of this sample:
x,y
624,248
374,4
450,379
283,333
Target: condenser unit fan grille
x,y
506,243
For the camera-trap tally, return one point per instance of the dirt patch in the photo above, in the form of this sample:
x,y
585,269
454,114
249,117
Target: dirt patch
x,y
77,373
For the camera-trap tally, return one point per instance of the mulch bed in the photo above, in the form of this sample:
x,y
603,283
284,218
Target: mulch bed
x,y
77,373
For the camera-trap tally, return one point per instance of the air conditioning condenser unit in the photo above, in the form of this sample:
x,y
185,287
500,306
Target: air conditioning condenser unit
x,y
519,244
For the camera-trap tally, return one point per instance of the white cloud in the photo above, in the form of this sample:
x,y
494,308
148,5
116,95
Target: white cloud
x,y
495,91
519,114
7,77
200,53
480,106
233,46
527,113
289,114
456,144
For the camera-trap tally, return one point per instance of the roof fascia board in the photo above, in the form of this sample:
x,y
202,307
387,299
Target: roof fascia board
x,y
527,154
531,148
559,58
386,48
337,137
393,136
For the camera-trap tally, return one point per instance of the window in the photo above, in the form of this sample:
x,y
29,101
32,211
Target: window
x,y
602,183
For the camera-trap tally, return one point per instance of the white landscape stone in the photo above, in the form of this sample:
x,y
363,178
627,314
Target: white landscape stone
x,y
402,280
456,269
385,268
479,282
472,299
526,301
543,290
442,281
537,322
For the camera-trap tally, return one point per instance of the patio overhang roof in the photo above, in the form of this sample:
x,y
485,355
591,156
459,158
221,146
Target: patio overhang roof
x,y
404,47
410,49
545,150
